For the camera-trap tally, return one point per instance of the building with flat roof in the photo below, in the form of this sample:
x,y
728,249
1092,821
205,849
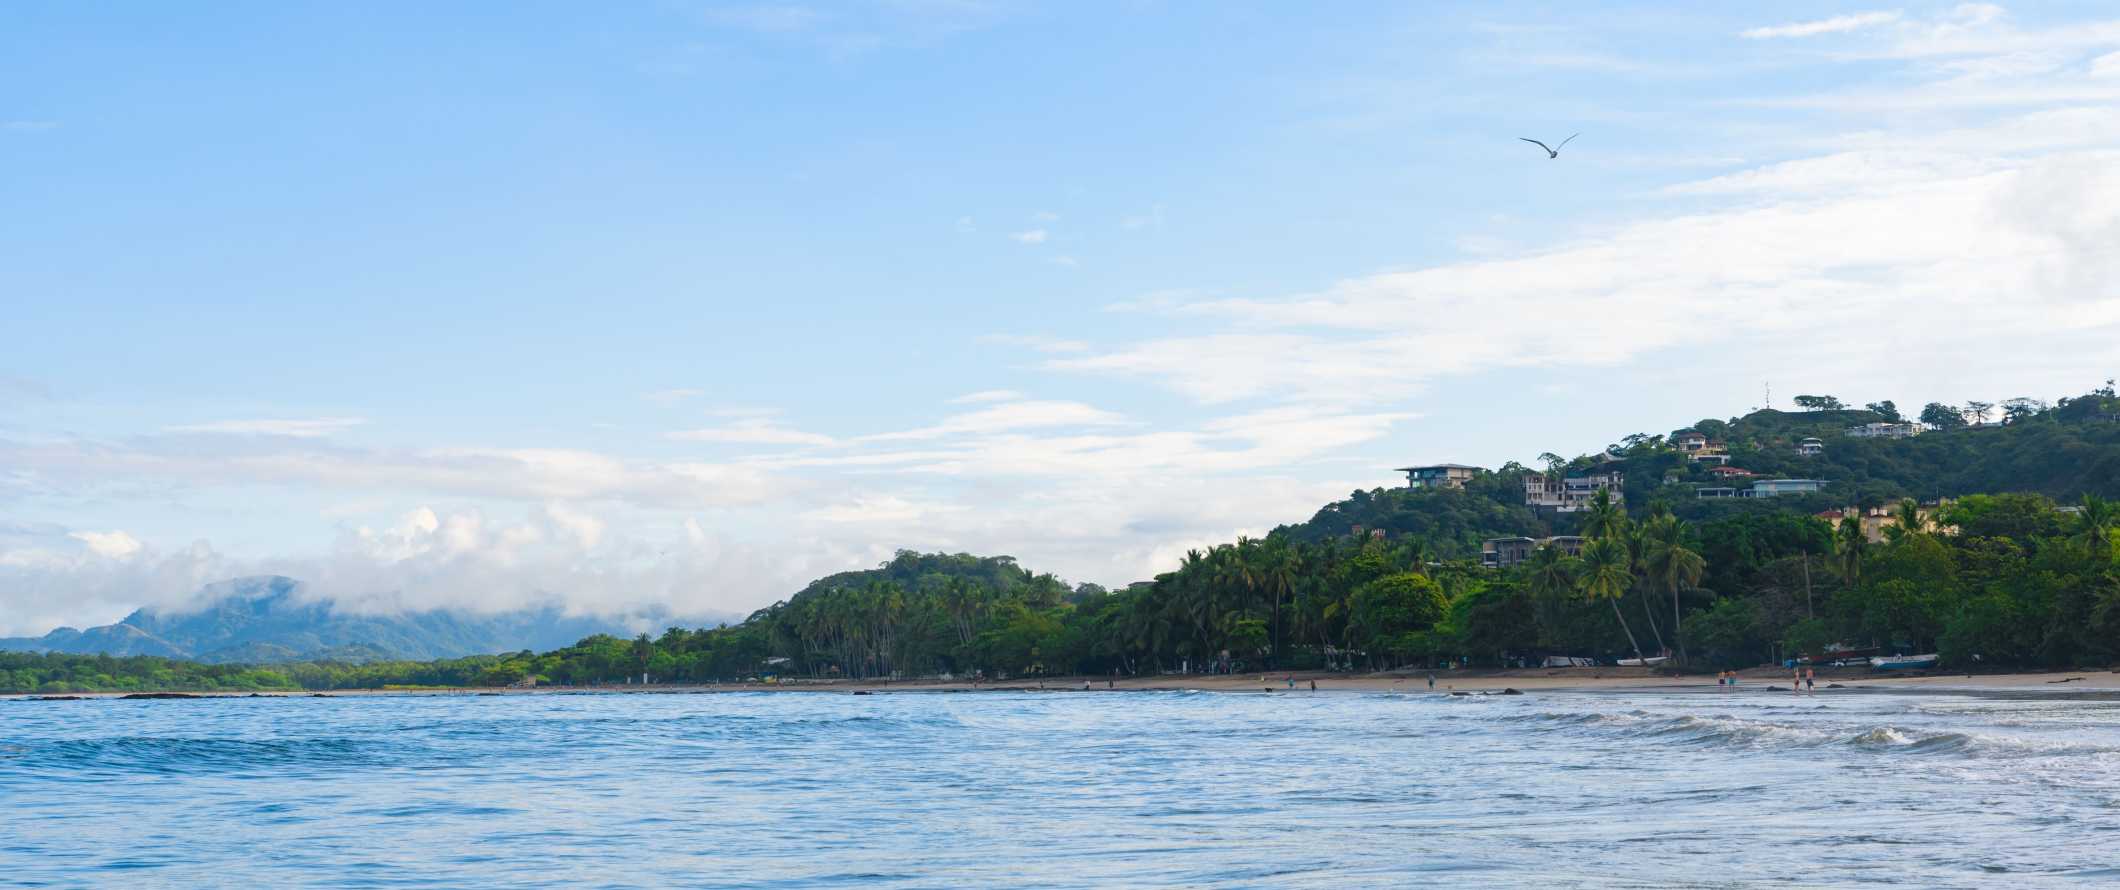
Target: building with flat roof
x,y
1572,493
1501,553
1440,475
1884,431
1768,488
1810,447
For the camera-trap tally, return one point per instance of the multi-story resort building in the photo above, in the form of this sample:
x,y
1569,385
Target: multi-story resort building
x,y
1440,475
1502,553
1764,488
1572,493
1884,431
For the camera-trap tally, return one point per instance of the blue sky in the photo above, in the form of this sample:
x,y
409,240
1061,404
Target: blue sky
x,y
679,304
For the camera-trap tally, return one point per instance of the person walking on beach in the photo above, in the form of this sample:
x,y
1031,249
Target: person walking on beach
x,y
1810,681
1313,685
1431,682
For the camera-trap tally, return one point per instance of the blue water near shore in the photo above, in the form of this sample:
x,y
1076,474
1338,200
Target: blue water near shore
x,y
1063,790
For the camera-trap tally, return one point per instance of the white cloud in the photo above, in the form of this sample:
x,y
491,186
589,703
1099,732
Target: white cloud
x,y
305,428
1031,236
1009,416
2107,65
1045,216
521,474
987,395
28,126
753,431
1835,25
1827,252
880,509
111,544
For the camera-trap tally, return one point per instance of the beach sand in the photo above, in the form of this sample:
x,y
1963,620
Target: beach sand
x,y
1527,680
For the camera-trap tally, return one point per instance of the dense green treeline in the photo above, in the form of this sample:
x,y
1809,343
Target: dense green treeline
x,y
1390,578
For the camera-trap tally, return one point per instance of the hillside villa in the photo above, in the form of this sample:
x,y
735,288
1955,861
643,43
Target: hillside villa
x,y
1876,519
1764,488
1439,475
1501,553
1884,431
1573,493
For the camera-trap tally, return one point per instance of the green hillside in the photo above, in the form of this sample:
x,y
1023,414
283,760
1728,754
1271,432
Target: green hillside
x,y
2000,574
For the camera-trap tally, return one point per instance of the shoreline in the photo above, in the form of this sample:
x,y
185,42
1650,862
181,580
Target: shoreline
x,y
1526,680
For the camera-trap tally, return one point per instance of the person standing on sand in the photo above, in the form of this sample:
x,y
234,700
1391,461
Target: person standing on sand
x,y
1313,685
1431,682
1810,681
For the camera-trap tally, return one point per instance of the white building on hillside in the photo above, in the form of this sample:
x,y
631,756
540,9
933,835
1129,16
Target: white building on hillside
x,y
1440,475
1884,431
1574,492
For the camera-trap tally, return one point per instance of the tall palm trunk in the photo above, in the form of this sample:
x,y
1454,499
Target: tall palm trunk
x,y
1629,631
1677,636
1653,629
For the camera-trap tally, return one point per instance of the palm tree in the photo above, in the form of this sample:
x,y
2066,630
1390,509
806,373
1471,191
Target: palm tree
x,y
1673,567
643,650
2094,524
1907,520
1551,572
1850,544
1636,540
1606,575
1605,516
1279,568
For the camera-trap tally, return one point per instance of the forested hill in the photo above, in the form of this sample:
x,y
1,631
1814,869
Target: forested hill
x,y
2062,451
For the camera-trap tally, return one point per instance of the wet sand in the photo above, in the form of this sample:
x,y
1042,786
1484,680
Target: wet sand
x,y
1446,681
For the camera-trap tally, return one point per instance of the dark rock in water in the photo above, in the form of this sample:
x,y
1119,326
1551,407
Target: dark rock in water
x,y
1512,691
489,693
159,695
1461,693
1835,686
862,692
318,695
53,698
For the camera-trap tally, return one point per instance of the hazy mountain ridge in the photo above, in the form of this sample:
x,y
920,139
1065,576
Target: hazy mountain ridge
x,y
262,620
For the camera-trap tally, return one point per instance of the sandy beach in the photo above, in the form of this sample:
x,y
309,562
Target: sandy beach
x,y
1561,680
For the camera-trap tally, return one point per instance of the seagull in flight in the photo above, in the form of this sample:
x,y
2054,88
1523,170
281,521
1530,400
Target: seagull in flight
x,y
1553,152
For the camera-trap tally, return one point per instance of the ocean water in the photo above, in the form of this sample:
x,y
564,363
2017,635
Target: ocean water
x,y
1133,789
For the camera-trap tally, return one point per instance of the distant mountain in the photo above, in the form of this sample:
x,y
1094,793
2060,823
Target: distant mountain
x,y
261,620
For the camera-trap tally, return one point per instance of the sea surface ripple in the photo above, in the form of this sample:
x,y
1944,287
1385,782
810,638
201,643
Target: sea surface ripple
x,y
1072,789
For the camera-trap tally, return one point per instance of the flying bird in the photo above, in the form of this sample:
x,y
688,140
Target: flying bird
x,y
1553,152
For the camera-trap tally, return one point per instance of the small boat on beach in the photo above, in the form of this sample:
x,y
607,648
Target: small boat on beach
x,y
1651,661
1903,662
